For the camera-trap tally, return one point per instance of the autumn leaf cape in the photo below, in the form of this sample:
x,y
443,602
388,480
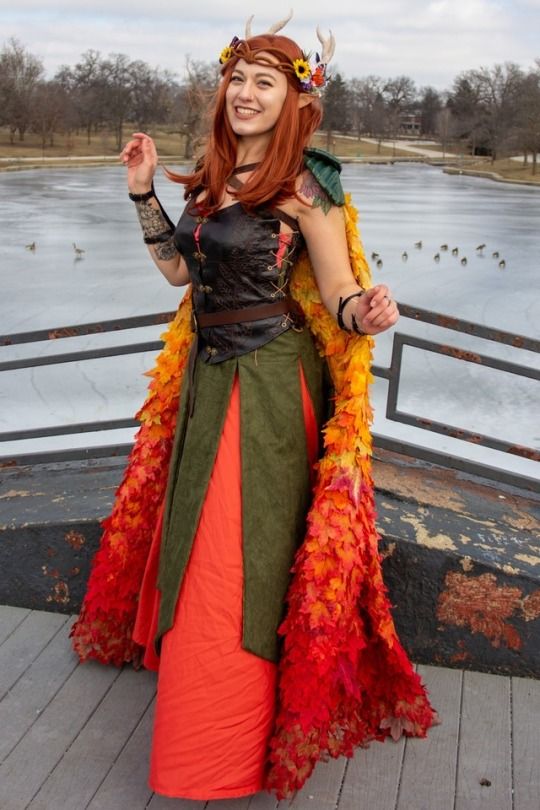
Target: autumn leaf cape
x,y
344,678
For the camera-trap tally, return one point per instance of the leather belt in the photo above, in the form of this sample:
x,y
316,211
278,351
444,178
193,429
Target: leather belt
x,y
200,320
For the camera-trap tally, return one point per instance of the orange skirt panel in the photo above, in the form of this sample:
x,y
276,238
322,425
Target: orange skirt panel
x,y
215,702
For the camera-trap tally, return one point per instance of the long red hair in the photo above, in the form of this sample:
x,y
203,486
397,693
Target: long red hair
x,y
274,180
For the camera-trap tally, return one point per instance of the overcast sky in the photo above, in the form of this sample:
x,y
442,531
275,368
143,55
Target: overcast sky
x,y
429,41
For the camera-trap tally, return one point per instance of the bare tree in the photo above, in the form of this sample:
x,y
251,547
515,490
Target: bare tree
x,y
194,100
399,95
48,110
85,87
528,116
20,73
487,100
430,105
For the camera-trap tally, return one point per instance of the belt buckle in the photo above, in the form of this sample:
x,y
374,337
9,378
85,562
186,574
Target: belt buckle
x,y
194,322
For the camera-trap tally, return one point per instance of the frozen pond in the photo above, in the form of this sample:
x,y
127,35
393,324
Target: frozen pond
x,y
400,205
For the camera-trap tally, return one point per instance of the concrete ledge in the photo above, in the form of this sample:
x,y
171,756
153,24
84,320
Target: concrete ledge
x,y
461,556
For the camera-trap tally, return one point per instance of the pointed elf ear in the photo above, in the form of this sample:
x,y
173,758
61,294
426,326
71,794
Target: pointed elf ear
x,y
304,99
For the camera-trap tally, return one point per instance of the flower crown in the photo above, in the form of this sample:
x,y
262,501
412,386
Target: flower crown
x,y
311,73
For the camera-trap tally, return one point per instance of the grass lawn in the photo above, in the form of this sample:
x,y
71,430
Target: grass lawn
x,y
170,142
509,169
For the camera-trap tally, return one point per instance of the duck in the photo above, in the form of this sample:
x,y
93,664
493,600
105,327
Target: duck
x,y
404,255
455,251
437,257
480,248
78,251
374,256
418,245
495,254
443,247
379,264
464,261
502,264
31,246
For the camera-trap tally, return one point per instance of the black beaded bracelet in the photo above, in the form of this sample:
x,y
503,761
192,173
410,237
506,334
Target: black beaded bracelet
x,y
142,197
341,306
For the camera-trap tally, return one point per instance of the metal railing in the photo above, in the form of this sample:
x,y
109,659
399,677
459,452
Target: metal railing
x,y
392,374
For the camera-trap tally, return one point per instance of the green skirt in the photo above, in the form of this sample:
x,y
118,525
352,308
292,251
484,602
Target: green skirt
x,y
276,475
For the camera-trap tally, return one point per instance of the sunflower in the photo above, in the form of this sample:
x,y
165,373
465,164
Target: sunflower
x,y
302,69
226,54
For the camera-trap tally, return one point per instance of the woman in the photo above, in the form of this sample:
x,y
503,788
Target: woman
x,y
241,469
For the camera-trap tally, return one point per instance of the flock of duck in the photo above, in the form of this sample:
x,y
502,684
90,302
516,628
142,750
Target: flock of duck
x,y
444,249
79,252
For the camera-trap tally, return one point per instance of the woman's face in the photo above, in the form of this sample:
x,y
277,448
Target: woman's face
x,y
255,97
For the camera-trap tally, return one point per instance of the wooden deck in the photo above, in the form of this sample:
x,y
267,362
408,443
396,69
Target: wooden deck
x,y
76,737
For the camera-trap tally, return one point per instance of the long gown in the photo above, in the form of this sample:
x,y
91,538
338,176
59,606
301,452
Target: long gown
x,y
215,704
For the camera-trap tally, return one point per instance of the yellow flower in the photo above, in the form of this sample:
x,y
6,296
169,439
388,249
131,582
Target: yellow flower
x,y
302,69
225,54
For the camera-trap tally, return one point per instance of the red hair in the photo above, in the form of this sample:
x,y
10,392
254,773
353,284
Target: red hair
x,y
274,180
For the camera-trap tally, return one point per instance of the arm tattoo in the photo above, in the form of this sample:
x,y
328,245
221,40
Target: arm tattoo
x,y
154,225
314,191
165,251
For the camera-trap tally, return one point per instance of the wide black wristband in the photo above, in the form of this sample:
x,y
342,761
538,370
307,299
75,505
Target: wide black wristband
x,y
341,306
159,237
142,197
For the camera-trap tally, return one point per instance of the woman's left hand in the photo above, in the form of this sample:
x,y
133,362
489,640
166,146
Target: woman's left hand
x,y
375,311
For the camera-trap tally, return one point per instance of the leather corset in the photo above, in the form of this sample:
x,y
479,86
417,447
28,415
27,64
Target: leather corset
x,y
237,260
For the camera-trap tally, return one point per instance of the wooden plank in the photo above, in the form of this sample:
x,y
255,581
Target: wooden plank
x,y
164,803
10,618
526,743
126,784
372,778
23,704
82,769
41,748
265,801
25,644
321,791
428,775
484,772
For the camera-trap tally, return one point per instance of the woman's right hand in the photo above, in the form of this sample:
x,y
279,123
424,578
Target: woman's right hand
x,y
141,158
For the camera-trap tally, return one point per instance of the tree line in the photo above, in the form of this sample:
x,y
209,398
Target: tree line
x,y
492,111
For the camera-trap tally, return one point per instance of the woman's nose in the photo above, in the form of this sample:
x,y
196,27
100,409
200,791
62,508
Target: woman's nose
x,y
246,91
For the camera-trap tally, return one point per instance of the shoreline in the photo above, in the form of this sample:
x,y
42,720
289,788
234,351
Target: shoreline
x,y
98,161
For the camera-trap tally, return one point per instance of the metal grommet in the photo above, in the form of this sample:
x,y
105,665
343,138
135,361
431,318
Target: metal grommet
x,y
269,266
284,324
272,295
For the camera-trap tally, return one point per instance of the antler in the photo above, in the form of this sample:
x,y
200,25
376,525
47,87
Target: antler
x,y
328,46
273,28
281,24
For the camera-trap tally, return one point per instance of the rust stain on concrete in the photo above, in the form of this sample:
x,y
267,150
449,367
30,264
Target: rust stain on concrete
x,y
415,485
60,594
75,539
531,606
439,541
482,605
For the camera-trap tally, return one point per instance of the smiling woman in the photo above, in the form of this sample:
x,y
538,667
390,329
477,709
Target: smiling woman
x,y
194,568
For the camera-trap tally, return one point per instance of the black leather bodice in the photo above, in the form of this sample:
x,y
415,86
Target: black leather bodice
x,y
236,260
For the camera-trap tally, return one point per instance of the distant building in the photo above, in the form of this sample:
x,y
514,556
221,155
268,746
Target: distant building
x,y
410,123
